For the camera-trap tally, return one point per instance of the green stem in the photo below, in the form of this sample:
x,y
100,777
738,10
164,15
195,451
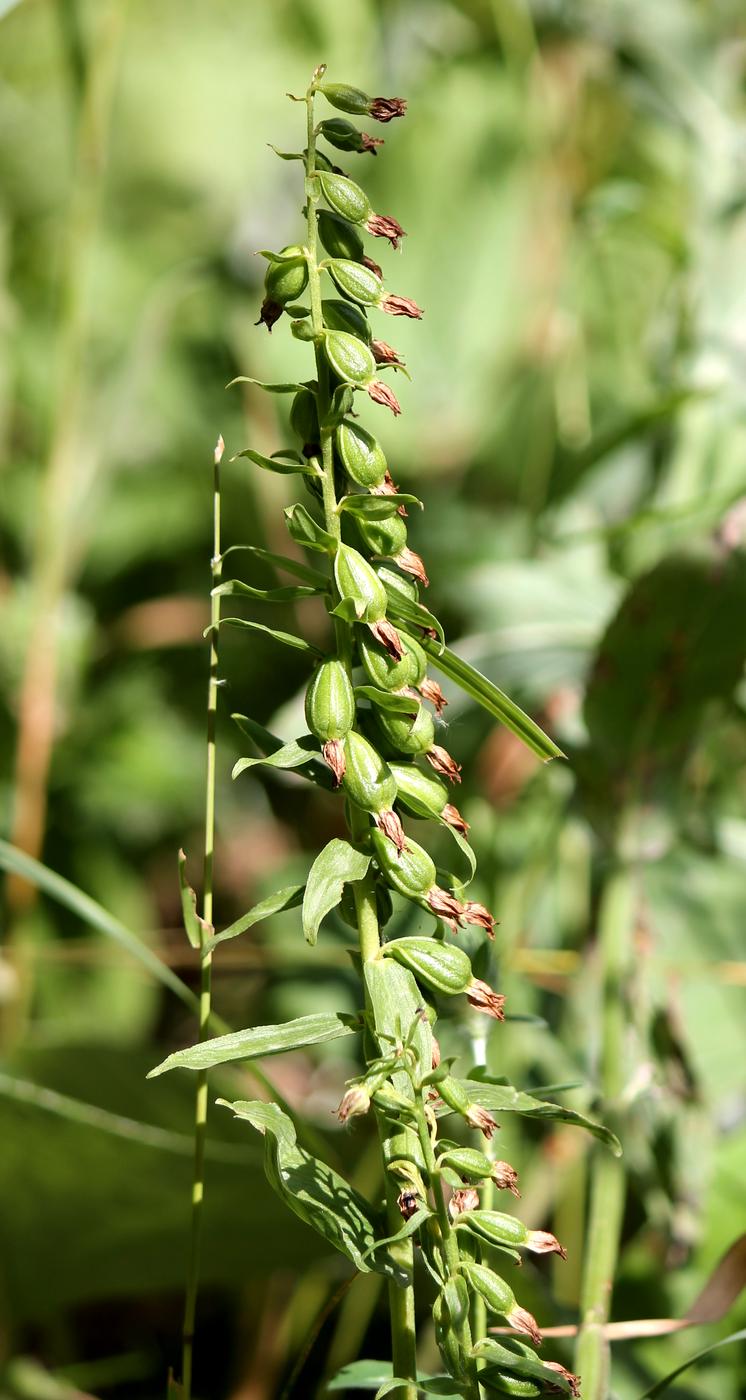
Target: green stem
x,y
205,999
608,1181
401,1300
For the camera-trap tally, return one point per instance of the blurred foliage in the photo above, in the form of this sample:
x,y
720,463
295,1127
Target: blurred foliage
x,y
571,174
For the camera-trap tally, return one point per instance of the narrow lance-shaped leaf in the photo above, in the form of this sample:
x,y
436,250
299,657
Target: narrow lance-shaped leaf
x,y
288,898
288,593
316,771
306,531
193,925
291,566
276,465
376,507
256,1041
268,388
412,614
492,699
388,700
339,864
291,755
288,639
314,1191
503,1098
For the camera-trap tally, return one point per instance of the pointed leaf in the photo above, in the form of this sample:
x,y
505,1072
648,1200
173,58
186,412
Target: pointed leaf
x,y
388,700
291,566
271,464
192,923
269,388
412,614
258,1041
408,1228
662,1386
288,898
339,864
306,531
492,699
316,771
519,1363
286,594
376,507
291,755
503,1098
287,638
314,1191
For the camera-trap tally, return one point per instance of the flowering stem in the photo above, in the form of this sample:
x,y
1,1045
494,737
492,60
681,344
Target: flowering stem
x,y
608,1182
401,1300
200,1110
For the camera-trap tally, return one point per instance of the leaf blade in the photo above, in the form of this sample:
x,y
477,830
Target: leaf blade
x,y
339,864
257,1041
492,699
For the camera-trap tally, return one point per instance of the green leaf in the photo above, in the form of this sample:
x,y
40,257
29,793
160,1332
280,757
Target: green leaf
x,y
306,531
92,913
316,771
291,755
662,1386
521,1365
286,594
287,638
194,925
465,849
271,464
377,1375
314,1191
412,614
388,700
503,1098
288,898
291,566
409,1228
492,699
376,507
269,388
257,1041
339,864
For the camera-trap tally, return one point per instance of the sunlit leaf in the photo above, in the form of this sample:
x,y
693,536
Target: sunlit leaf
x,y
376,507
339,864
288,639
291,755
503,1098
257,1041
492,699
306,531
274,464
288,898
287,594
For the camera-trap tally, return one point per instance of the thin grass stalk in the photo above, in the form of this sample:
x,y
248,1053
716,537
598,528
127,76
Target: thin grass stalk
x,y
205,999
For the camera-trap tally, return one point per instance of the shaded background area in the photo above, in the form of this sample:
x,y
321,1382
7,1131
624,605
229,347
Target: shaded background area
x,y
572,179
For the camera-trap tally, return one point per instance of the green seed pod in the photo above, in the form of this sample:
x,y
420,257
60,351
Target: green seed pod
x,y
421,794
439,965
330,701
503,1383
367,780
406,736
344,196
467,1162
346,316
384,907
453,1095
356,579
340,238
493,1226
346,98
361,454
287,280
387,537
496,1293
304,417
410,872
396,583
346,137
386,673
349,358
448,1343
356,281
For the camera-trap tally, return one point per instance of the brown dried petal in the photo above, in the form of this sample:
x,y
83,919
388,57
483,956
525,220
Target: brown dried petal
x,y
466,1198
430,690
446,907
384,109
452,817
380,393
481,996
385,633
385,354
505,1177
370,142
522,1321
440,759
372,266
383,226
334,753
572,1381
435,1057
388,487
270,313
478,1117
355,1102
541,1242
389,823
412,564
407,1203
401,306
479,915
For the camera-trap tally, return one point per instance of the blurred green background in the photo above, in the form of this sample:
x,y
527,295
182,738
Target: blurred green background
x,y
572,176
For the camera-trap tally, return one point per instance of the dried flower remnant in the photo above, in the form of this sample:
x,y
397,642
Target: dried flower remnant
x,y
384,109
401,306
464,1199
380,393
382,226
440,759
